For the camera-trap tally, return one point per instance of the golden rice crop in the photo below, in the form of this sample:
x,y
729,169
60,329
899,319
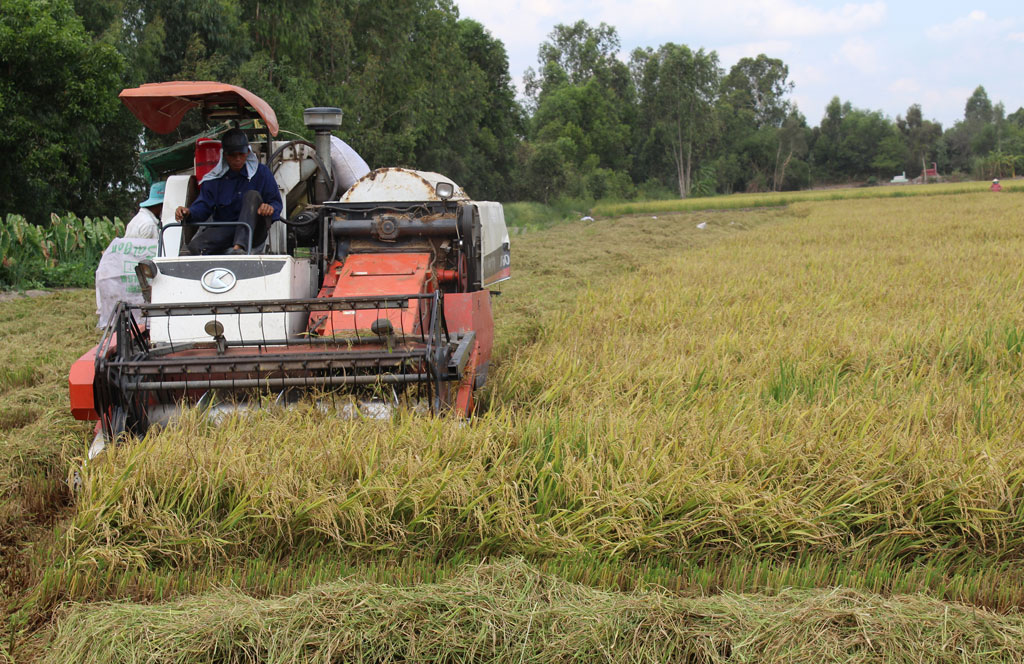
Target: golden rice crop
x,y
813,396
782,198
509,612
840,387
37,345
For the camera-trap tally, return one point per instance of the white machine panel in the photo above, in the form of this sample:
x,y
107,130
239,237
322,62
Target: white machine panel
x,y
212,279
495,254
181,190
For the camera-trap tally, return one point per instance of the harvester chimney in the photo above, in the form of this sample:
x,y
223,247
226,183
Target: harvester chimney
x,y
323,120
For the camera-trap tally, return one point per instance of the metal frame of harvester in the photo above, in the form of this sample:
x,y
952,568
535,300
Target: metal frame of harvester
x,y
380,293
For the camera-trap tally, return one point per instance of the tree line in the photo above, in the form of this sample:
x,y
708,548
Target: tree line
x,y
422,87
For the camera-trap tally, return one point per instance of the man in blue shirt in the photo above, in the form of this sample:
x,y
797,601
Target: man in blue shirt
x,y
239,189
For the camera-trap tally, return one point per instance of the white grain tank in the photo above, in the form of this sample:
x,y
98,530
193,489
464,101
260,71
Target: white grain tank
x,y
401,185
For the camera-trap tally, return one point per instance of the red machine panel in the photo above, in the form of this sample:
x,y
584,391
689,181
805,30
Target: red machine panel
x,y
367,275
83,405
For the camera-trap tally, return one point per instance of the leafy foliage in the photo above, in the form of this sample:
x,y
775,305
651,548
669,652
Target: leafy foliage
x,y
422,87
677,106
579,138
63,253
57,88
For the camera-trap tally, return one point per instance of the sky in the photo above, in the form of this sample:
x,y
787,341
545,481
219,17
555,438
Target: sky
x,y
878,55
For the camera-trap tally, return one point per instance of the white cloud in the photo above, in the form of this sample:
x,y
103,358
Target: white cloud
x,y
523,24
874,53
861,55
807,107
520,26
783,17
733,20
945,102
730,20
809,74
731,54
905,86
976,23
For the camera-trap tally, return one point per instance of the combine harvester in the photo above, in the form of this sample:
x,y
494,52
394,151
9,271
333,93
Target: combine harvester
x,y
379,294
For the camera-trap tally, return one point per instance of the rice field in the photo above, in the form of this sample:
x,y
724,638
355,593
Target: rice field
x,y
790,434
783,198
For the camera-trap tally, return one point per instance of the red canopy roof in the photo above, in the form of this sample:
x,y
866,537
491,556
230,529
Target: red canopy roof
x,y
160,106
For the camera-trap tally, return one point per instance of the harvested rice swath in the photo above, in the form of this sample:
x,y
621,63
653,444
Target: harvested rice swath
x,y
507,612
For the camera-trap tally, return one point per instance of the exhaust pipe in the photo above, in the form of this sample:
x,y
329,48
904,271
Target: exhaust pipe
x,y
323,120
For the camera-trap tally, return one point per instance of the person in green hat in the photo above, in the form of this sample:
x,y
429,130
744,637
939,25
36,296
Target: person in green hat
x,y
146,224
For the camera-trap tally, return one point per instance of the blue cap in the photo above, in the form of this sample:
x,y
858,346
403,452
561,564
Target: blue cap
x,y
156,195
234,141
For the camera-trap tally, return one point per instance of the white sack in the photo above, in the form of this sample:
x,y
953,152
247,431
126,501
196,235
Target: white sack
x,y
115,276
346,164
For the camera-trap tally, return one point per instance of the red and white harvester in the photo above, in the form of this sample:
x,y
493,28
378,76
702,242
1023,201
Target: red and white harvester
x,y
379,294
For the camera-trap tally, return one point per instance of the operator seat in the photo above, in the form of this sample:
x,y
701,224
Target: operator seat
x,y
207,156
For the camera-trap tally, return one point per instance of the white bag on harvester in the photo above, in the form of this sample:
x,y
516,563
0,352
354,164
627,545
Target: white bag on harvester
x,y
346,164
115,276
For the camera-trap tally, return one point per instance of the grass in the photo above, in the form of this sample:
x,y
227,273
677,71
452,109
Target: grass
x,y
527,215
40,339
802,398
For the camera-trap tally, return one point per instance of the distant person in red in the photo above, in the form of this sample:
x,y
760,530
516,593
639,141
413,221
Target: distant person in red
x,y
995,186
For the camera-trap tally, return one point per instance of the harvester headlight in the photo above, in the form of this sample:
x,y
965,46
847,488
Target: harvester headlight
x,y
444,190
382,327
147,268
322,117
214,328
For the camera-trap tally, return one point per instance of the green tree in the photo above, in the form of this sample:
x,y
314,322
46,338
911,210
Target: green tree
x,y
58,87
400,72
478,145
852,143
677,105
759,86
583,101
978,109
793,141
572,54
384,64
921,138
974,136
757,123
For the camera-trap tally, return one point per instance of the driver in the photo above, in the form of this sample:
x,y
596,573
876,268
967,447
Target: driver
x,y
238,189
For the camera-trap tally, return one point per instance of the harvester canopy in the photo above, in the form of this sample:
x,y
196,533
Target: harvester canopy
x,y
161,106
158,163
